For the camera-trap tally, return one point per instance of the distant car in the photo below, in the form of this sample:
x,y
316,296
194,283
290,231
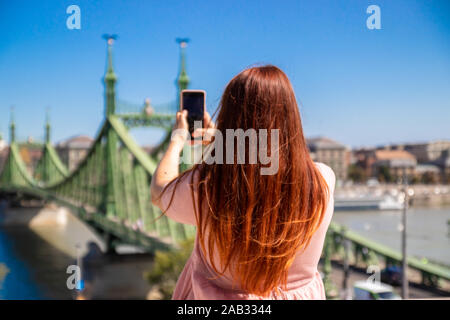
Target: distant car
x,y
367,290
392,275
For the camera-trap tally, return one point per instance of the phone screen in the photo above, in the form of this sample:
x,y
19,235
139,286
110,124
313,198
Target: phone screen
x,y
194,103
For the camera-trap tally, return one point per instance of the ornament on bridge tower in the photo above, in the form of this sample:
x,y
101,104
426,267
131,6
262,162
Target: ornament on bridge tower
x,y
148,109
110,78
47,126
12,127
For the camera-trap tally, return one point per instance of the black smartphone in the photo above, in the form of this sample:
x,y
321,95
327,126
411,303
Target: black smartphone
x,y
194,102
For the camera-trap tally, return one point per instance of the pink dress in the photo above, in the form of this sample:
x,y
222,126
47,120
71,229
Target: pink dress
x,y
304,280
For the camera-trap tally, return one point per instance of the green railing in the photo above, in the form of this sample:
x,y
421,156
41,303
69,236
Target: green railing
x,y
369,252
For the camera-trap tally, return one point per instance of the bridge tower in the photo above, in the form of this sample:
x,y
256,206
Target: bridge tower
x,y
182,81
45,169
111,188
12,141
49,168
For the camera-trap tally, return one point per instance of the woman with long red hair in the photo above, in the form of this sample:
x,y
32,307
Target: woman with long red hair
x,y
259,236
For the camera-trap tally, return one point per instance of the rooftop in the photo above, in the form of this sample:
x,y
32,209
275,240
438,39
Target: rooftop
x,y
324,143
77,142
393,154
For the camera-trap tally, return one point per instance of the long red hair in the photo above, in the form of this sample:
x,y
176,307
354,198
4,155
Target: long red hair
x,y
258,223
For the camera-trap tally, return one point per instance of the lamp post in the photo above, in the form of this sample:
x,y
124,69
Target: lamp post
x,y
404,247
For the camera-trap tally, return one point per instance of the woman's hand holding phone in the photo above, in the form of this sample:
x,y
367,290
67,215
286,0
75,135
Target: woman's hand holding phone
x,y
207,132
180,131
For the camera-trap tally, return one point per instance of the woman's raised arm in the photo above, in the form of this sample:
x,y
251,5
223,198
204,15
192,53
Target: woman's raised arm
x,y
167,169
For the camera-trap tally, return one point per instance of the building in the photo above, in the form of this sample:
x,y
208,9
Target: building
x,y
427,173
435,153
30,154
73,150
364,158
29,151
3,156
391,165
428,152
332,153
443,162
3,143
148,149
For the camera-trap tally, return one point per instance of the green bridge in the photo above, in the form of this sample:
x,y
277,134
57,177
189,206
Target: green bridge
x,y
109,190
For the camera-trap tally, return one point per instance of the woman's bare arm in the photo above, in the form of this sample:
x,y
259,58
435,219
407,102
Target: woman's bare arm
x,y
167,169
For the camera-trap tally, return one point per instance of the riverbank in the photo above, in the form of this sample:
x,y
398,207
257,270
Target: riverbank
x,y
422,195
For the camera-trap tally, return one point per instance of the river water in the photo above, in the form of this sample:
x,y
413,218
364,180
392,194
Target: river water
x,y
39,245
428,232
37,269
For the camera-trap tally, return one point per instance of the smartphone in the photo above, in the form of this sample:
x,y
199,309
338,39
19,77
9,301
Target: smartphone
x,y
194,101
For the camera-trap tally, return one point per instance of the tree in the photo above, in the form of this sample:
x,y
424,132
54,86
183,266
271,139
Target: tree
x,y
429,178
384,174
168,266
356,173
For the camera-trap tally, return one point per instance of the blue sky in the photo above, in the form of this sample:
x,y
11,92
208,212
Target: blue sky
x,y
355,85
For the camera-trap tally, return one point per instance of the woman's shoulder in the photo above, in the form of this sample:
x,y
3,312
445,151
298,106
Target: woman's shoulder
x,y
188,181
327,173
